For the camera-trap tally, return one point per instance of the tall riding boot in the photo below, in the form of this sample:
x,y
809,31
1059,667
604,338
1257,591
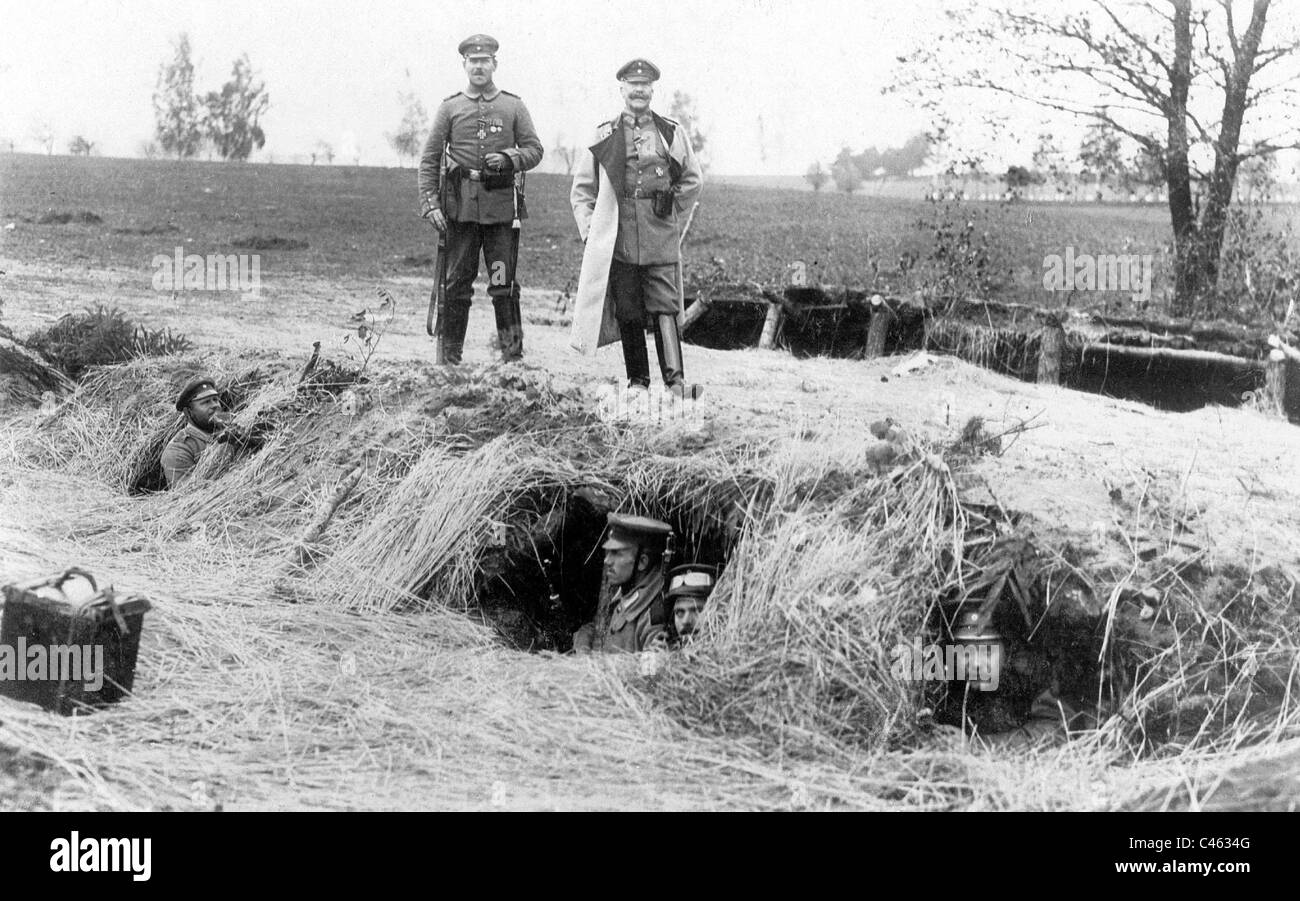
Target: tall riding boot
x,y
635,360
510,328
669,346
452,340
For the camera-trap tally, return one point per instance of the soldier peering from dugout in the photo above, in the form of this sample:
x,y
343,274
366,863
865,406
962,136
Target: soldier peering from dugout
x,y
630,612
205,423
689,587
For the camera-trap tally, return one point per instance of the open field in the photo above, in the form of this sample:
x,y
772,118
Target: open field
x,y
377,678
361,223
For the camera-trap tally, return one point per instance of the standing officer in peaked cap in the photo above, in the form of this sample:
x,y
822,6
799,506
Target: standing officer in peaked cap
x,y
201,404
488,141
629,196
630,614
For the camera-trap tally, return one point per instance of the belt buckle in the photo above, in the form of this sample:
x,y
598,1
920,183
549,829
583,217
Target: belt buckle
x,y
475,174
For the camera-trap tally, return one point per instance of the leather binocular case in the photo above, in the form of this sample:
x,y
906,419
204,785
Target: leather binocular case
x,y
662,203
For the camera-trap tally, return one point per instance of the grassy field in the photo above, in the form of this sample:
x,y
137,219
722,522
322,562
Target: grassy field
x,y
361,223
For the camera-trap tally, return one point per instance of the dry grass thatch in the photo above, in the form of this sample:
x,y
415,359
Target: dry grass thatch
x,y
374,690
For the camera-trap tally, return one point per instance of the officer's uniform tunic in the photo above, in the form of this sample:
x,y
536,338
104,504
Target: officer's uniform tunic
x,y
480,205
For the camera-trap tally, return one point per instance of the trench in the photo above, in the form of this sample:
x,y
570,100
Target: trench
x,y
810,329
543,585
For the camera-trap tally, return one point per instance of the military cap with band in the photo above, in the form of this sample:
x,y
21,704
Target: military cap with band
x,y
198,389
690,580
638,68
634,531
478,45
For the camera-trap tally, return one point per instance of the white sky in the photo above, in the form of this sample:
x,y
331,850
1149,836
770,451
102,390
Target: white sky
x,y
811,72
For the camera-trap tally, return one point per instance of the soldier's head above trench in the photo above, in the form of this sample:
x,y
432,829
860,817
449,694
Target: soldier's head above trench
x,y
479,56
200,401
688,588
633,546
636,82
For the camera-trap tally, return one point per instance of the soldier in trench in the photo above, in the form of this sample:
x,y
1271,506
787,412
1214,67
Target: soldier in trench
x,y
630,612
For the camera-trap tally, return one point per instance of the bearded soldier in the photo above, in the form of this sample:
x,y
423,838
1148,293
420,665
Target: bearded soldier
x,y
629,196
489,141
201,403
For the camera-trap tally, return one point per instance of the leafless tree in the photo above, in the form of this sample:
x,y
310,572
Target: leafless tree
x,y
43,134
1178,78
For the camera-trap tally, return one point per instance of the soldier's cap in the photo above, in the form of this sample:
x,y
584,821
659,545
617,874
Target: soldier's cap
x,y
478,45
690,580
197,389
634,531
640,70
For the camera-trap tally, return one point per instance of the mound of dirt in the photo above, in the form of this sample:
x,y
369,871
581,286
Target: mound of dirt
x,y
85,217
268,242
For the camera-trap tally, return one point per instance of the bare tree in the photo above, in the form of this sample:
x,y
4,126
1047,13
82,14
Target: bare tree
x,y
1177,78
845,172
233,113
79,146
408,140
683,110
325,151
178,113
568,156
43,134
816,176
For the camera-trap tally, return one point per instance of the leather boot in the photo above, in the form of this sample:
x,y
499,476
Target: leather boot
x,y
668,344
510,328
635,360
451,342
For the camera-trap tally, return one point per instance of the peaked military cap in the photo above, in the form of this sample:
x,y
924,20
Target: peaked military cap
x,y
478,45
691,580
638,68
634,531
197,389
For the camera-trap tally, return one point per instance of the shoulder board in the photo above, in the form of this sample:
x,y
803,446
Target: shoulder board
x,y
451,96
604,130
672,122
508,94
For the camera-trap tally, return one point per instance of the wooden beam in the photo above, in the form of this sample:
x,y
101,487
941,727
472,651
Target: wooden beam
x,y
1051,340
1165,353
775,313
695,312
882,317
1275,383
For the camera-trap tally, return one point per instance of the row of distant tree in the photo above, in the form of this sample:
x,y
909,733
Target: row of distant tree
x,y
850,170
1104,158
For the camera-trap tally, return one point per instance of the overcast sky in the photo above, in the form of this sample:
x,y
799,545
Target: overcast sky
x,y
778,83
